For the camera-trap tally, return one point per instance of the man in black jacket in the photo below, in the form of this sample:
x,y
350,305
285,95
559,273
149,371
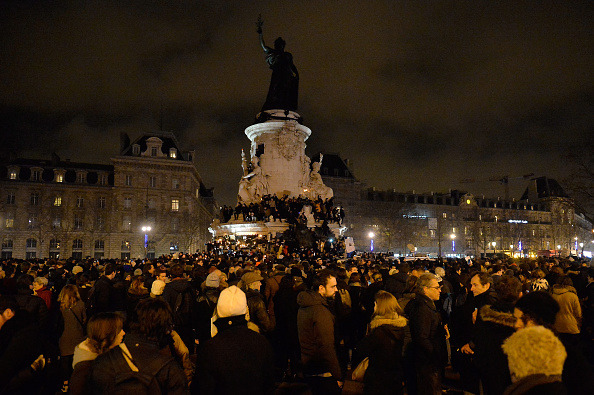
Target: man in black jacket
x,y
426,352
103,294
315,323
181,297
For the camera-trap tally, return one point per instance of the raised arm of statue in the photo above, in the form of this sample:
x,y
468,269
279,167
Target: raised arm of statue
x,y
259,24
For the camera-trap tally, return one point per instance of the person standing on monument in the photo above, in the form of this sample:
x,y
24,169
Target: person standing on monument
x,y
284,84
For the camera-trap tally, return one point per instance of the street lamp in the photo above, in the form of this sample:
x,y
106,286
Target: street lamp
x,y
511,250
494,243
453,237
558,249
146,230
582,247
371,236
576,245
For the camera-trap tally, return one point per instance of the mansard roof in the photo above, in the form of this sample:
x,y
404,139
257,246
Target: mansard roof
x,y
169,141
333,166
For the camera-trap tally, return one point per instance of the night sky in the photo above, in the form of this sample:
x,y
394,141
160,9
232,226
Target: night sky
x,y
418,95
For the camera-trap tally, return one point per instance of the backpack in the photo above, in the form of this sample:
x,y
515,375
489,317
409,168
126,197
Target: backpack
x,y
182,309
128,381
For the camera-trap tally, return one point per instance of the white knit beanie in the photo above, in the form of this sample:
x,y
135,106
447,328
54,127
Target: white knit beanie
x,y
157,288
232,301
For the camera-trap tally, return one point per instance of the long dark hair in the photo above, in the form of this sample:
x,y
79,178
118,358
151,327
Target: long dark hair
x,y
155,320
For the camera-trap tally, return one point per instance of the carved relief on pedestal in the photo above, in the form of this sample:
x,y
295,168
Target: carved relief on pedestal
x,y
289,141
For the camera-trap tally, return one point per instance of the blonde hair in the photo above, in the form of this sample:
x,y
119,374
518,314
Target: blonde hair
x,y
68,296
386,304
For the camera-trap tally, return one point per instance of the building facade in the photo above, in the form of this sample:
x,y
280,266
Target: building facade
x,y
457,223
150,201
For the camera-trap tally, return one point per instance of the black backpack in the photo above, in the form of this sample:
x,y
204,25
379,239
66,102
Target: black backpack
x,y
182,309
142,382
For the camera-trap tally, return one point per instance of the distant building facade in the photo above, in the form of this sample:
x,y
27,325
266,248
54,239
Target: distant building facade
x,y
457,223
62,209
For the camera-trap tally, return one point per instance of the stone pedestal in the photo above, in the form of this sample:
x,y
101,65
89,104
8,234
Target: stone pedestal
x,y
279,143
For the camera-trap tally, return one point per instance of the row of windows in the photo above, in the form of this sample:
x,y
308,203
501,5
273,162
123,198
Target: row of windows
x,y
77,244
78,222
80,201
59,176
175,184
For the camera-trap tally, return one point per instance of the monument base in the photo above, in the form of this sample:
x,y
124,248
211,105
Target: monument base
x,y
267,229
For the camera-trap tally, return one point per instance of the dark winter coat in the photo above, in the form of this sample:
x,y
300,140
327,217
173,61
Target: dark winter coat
x,y
383,346
427,346
396,284
495,325
315,324
171,377
20,344
34,305
103,295
235,361
537,384
258,314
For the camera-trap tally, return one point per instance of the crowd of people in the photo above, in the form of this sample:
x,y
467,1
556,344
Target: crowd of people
x,y
298,324
288,209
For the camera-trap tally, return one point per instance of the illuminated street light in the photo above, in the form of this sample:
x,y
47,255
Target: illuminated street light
x,y
146,230
494,243
453,237
371,236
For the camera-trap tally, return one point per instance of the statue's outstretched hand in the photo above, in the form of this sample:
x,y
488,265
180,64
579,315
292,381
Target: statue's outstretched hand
x,y
259,24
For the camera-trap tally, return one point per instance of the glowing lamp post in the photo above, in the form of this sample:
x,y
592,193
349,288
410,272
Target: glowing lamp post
x,y
146,230
453,237
494,243
371,236
558,249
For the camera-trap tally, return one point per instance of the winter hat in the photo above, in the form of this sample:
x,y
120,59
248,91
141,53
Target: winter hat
x,y
213,279
540,306
534,350
251,277
231,302
157,288
77,269
138,272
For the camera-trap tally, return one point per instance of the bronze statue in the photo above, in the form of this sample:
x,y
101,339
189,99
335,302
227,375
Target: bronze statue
x,y
284,84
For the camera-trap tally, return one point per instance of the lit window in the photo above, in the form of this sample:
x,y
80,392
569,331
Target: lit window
x,y
32,221
13,175
54,244
125,245
127,203
58,201
9,220
172,153
174,246
496,218
454,230
10,198
128,180
467,201
444,215
174,204
80,202
60,177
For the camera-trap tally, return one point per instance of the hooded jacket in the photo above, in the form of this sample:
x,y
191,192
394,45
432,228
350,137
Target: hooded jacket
x,y
383,346
315,324
570,312
496,324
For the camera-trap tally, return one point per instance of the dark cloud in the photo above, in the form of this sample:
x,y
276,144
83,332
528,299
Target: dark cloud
x,y
417,94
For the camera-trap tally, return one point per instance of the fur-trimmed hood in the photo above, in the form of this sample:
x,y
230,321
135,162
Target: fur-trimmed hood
x,y
488,314
394,320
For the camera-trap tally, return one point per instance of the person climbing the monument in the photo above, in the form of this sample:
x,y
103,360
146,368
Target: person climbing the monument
x,y
284,84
